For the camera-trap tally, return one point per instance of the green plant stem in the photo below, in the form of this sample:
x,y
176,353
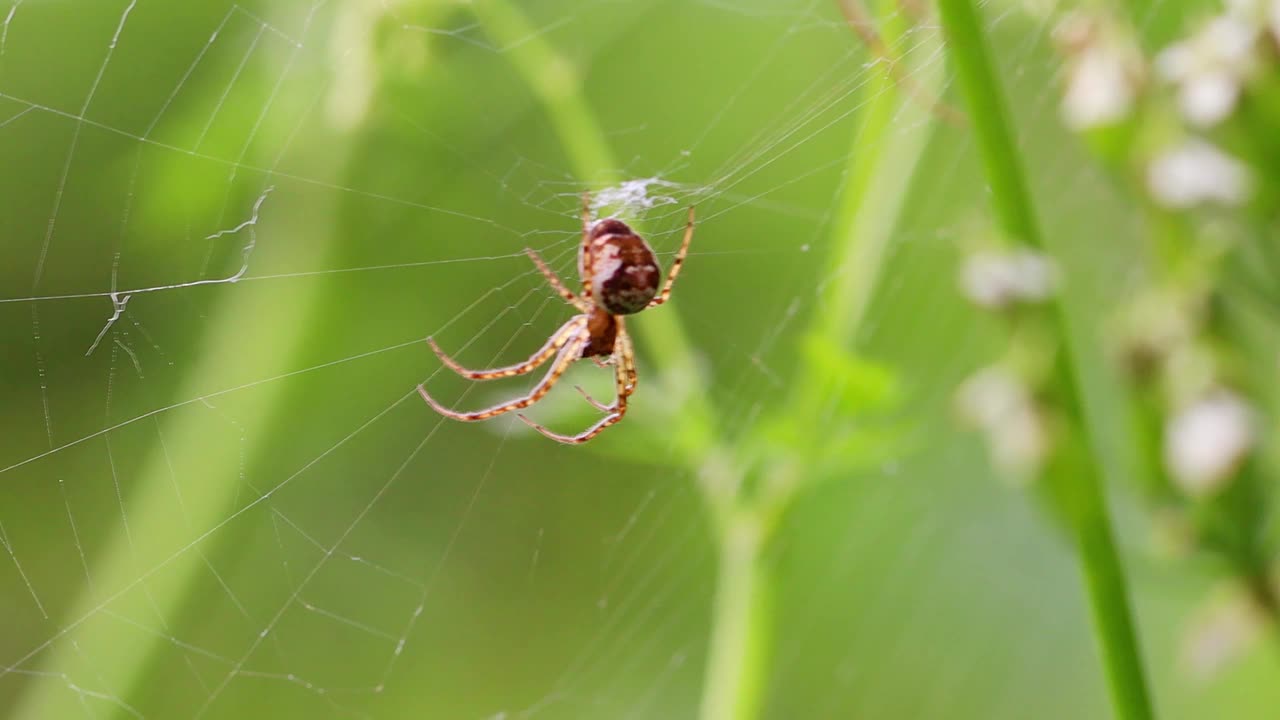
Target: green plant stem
x,y
885,151
862,227
556,84
1100,562
860,235
735,669
737,658
887,147
152,566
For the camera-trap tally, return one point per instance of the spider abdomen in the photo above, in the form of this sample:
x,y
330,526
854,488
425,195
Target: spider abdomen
x,y
625,274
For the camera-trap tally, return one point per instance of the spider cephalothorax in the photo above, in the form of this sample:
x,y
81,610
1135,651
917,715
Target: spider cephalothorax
x,y
620,276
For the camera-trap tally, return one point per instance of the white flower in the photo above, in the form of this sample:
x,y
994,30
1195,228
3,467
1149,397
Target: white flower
x,y
998,403
1264,13
1197,172
1000,279
1210,67
1103,71
1207,440
1100,89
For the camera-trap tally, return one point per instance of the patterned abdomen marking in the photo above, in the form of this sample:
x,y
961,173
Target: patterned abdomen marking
x,y
625,273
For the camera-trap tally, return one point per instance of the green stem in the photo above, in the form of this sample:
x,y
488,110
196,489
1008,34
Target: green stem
x,y
872,202
739,617
738,654
151,564
859,236
1100,563
885,152
556,84
152,567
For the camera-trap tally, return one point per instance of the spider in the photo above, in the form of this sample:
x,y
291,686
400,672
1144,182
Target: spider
x,y
620,277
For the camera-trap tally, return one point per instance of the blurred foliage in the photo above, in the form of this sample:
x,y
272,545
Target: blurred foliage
x,y
237,502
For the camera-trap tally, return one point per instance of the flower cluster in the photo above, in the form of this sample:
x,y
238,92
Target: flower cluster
x,y
1192,129
996,280
1204,83
1210,69
1187,114
1002,400
1000,404
1104,72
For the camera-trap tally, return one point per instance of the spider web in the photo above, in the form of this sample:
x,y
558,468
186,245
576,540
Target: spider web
x,y
228,230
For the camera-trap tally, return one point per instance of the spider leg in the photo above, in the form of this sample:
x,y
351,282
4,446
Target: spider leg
x,y
623,357
594,402
620,380
554,281
568,353
627,355
863,26
675,265
545,353
587,268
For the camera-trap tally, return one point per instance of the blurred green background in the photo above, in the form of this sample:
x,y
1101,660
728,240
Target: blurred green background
x,y
236,505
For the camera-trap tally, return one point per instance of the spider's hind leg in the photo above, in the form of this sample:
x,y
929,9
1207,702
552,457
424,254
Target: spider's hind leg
x,y
594,402
623,357
615,415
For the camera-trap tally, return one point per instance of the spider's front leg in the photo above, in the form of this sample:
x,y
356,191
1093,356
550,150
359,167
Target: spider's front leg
x,y
676,264
554,281
570,351
568,341
545,353
588,259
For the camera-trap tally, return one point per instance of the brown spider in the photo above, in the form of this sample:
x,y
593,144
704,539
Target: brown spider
x,y
619,277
